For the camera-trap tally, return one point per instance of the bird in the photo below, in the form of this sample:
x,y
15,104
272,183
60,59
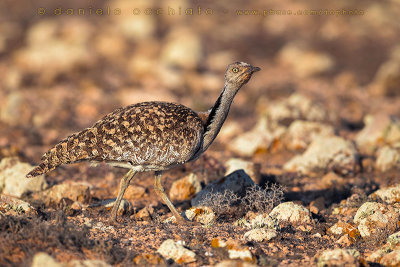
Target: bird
x,y
149,136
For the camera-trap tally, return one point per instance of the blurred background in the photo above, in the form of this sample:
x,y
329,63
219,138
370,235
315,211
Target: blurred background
x,y
65,64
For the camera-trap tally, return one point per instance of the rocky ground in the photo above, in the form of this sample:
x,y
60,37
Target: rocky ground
x,y
304,172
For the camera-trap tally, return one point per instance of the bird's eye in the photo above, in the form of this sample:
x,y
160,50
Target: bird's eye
x,y
235,70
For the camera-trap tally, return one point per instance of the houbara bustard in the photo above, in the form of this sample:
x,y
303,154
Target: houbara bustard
x,y
149,136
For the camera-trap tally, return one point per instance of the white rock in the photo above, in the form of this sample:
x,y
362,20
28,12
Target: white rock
x,y
260,234
379,129
243,254
296,107
391,243
339,257
372,217
13,181
394,239
185,188
391,259
235,182
367,209
88,263
9,202
251,168
170,249
261,137
326,153
263,221
301,133
292,213
42,259
341,228
388,158
203,215
389,194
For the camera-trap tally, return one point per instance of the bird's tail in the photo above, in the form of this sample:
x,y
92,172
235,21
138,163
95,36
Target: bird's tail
x,y
42,168
67,151
50,161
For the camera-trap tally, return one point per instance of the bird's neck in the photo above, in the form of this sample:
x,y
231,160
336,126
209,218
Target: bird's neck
x,y
218,114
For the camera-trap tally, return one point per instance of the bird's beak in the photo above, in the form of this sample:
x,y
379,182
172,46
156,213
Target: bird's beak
x,y
254,69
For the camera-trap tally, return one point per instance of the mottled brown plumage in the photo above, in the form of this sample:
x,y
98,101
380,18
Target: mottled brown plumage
x,y
134,135
149,136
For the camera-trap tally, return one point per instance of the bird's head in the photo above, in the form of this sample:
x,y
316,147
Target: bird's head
x,y
239,73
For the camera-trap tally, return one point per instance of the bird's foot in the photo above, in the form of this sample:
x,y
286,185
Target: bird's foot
x,y
114,215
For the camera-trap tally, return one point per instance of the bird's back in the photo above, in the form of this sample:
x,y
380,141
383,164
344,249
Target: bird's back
x,y
149,135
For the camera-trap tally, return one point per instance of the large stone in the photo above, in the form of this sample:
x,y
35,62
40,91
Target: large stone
x,y
388,254
372,217
301,133
203,215
13,179
292,213
389,194
391,259
339,257
296,107
87,263
236,182
42,259
340,228
260,138
379,129
260,234
185,188
170,249
260,221
251,168
9,202
326,153
388,158
263,221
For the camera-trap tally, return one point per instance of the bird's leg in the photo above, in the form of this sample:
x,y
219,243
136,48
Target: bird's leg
x,y
122,187
161,193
